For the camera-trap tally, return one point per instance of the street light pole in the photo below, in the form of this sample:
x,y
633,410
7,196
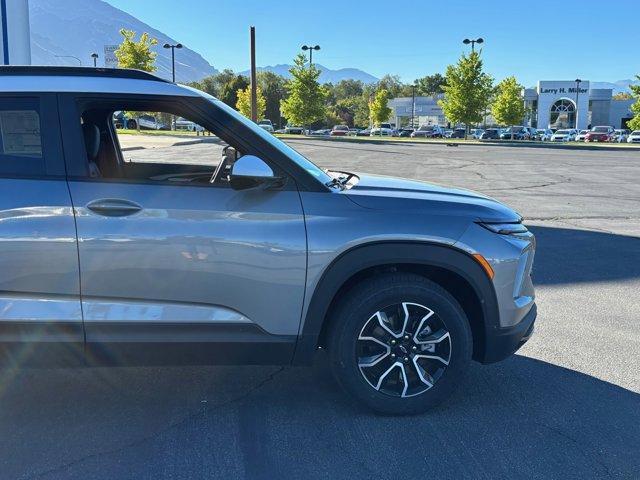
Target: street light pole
x,y
95,59
479,41
413,105
173,58
311,49
578,82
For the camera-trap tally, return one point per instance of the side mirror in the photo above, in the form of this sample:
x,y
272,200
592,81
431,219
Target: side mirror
x,y
250,171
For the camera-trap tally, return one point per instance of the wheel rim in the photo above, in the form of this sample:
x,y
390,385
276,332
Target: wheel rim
x,y
403,349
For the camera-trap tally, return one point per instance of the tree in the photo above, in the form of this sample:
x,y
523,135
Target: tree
x,y
348,88
380,111
508,107
392,84
622,96
243,104
634,123
467,91
306,101
273,89
136,54
431,84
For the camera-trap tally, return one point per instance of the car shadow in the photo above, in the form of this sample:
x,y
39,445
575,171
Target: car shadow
x,y
522,418
567,255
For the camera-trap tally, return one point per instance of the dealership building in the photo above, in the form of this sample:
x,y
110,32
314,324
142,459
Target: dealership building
x,y
552,104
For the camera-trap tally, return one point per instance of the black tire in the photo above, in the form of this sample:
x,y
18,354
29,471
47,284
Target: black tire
x,y
360,305
132,125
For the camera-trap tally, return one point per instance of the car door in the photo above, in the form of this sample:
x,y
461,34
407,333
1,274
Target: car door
x,y
40,315
176,272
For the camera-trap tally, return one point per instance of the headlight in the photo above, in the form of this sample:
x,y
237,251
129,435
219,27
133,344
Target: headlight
x,y
505,228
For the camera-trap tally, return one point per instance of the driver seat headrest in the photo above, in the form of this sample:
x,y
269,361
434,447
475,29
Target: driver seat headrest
x,y
91,135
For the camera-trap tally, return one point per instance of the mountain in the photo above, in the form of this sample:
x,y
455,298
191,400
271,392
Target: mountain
x,y
621,86
81,27
326,76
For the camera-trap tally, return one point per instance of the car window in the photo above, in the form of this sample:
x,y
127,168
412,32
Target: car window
x,y
20,137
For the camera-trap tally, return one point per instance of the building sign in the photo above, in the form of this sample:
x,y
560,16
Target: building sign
x,y
110,60
561,90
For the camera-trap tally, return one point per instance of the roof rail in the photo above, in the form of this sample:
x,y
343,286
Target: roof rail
x,y
26,70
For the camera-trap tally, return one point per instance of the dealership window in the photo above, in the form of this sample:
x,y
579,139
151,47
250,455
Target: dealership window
x,y
20,137
563,114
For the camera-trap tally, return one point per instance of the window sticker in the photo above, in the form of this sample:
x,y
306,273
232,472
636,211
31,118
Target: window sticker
x,y
20,132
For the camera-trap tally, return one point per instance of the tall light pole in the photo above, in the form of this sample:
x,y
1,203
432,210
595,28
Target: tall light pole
x,y
578,82
479,41
95,59
173,58
311,49
413,104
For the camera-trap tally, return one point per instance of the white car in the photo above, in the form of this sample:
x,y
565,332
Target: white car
x,y
634,137
476,133
582,134
620,135
188,125
149,122
563,136
266,125
543,135
384,130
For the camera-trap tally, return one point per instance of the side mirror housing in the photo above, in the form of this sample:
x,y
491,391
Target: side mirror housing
x,y
250,171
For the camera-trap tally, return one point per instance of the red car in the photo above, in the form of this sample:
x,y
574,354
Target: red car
x,y
339,131
600,134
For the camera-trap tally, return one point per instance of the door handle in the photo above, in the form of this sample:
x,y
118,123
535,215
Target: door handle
x,y
114,207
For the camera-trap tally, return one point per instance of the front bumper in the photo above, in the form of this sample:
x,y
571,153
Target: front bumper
x,y
503,342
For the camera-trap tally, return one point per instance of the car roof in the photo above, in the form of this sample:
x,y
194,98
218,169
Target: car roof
x,y
43,79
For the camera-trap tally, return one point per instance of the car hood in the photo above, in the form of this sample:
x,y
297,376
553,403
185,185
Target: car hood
x,y
389,193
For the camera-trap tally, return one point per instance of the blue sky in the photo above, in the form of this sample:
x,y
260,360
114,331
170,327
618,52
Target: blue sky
x,y
547,40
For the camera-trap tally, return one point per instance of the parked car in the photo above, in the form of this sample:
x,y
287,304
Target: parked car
x,y
603,133
564,135
519,133
384,130
581,135
340,131
147,122
620,135
476,133
447,133
634,137
490,134
543,134
260,258
323,132
365,132
458,133
429,131
188,125
266,125
406,132
353,132
294,130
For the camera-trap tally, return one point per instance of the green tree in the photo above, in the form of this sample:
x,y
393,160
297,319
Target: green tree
x,y
634,123
273,89
467,92
622,96
243,104
380,111
348,88
306,101
392,84
136,54
430,84
508,106
229,91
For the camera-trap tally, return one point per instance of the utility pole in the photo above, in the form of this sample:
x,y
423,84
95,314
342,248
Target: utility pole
x,y
578,82
254,83
413,104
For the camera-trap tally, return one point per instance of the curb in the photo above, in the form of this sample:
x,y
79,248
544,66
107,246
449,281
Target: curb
x,y
478,143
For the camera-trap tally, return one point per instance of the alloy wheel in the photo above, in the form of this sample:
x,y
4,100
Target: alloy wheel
x,y
403,349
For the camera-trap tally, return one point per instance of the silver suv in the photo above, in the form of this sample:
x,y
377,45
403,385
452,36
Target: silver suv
x,y
236,249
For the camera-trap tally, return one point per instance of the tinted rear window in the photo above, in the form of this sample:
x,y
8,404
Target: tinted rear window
x,y
20,137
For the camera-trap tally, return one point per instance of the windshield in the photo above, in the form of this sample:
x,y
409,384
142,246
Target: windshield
x,y
341,127
425,128
635,132
296,157
601,129
562,132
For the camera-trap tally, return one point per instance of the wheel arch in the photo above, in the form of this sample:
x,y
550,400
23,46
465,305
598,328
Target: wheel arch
x,y
453,269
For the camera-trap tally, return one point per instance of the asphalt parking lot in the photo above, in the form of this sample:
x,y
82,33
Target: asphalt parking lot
x,y
567,406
